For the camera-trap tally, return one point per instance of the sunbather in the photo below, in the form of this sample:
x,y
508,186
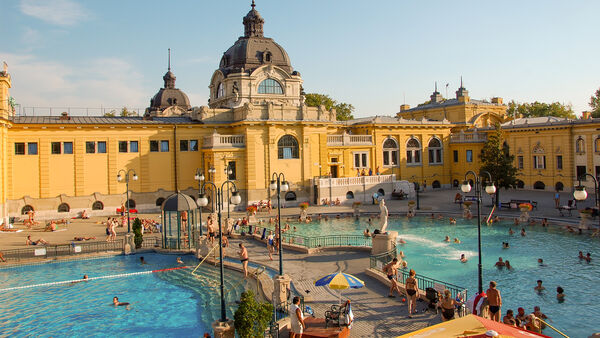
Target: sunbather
x,y
29,241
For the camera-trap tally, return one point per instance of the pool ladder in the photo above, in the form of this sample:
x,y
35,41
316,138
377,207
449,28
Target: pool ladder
x,y
552,327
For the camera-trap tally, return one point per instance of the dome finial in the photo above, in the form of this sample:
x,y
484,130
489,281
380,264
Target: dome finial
x,y
169,69
253,23
253,4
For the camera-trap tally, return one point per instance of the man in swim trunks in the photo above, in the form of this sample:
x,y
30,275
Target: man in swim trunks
x,y
390,269
509,319
499,263
211,229
244,258
495,301
520,317
29,241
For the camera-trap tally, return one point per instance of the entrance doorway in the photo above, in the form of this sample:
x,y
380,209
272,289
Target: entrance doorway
x,y
334,171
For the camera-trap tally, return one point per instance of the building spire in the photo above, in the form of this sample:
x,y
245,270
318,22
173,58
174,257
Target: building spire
x,y
253,4
435,91
253,23
461,83
169,69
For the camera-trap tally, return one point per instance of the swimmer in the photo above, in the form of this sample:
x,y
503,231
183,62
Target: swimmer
x,y
545,222
516,221
523,234
496,219
440,216
452,220
447,238
507,265
500,263
401,241
456,240
432,216
539,288
142,261
531,222
588,257
510,231
85,278
366,233
401,254
295,228
541,262
117,303
560,294
581,256
505,245
179,261
463,258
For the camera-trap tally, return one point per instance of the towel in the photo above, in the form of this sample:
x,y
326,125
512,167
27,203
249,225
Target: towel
x,y
264,234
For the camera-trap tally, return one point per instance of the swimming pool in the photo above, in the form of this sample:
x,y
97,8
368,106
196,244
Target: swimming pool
x,y
163,304
429,255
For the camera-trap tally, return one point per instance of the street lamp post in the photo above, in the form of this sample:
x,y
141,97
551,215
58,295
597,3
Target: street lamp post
x,y
228,172
235,200
279,183
490,189
200,178
417,192
580,194
119,179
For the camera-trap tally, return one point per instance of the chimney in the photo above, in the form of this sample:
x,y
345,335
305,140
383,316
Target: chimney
x,y
64,116
404,107
497,100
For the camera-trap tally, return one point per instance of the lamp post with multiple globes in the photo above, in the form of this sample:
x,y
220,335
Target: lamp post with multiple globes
x,y
580,194
120,177
279,183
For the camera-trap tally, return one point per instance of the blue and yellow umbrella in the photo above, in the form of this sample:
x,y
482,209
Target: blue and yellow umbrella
x,y
339,281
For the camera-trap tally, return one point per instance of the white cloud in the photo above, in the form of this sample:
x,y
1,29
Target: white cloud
x,y
56,12
106,82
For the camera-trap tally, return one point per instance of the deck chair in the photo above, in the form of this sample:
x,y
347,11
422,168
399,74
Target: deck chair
x,y
571,204
336,315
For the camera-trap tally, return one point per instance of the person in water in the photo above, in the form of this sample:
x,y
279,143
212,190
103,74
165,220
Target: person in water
x,y
560,294
447,238
511,231
539,288
117,303
142,261
507,265
463,258
456,240
500,263
505,245
541,262
179,261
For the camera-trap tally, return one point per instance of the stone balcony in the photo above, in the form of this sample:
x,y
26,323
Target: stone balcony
x,y
358,180
224,141
349,140
463,137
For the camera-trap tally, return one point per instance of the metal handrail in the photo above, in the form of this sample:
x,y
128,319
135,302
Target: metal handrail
x,y
322,241
552,327
205,257
53,251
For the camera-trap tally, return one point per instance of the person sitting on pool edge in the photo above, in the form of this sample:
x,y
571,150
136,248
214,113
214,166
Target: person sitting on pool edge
x,y
509,319
500,263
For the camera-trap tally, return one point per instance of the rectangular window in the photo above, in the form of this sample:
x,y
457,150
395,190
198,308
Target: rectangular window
x,y
231,171
394,154
32,148
287,152
356,160
90,147
101,147
67,147
455,154
164,146
597,171
133,146
519,162
559,165
19,148
153,146
361,160
364,160
122,146
183,145
539,162
55,148
409,158
469,155
581,170
193,145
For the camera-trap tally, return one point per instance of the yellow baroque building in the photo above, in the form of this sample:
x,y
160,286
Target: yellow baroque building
x,y
257,124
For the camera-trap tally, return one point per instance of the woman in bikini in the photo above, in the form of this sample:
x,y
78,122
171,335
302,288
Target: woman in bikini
x,y
447,304
412,290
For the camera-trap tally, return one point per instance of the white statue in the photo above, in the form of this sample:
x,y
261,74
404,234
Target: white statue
x,y
383,215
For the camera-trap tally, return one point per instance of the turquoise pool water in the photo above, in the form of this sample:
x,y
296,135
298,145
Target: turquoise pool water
x,y
164,304
429,255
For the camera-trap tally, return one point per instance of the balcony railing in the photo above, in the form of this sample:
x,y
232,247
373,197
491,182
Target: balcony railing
x,y
468,138
358,180
349,140
224,141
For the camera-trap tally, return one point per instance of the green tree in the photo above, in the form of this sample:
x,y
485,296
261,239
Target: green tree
x,y
497,160
252,318
111,113
125,112
595,104
137,231
343,110
540,109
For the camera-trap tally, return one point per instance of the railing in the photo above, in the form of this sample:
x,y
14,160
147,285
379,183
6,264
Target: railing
x,y
349,140
383,258
151,242
468,138
224,141
312,242
75,111
53,251
357,180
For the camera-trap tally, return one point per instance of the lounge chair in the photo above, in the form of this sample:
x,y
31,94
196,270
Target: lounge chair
x,y
571,205
336,315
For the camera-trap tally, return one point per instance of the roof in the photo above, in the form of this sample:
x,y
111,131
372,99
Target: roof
x,y
392,120
450,102
101,120
179,202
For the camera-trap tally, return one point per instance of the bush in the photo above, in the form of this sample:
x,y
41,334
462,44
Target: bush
x,y
137,230
252,318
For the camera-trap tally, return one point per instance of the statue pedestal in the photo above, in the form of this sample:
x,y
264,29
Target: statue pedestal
x,y
204,247
524,216
129,244
281,285
223,329
383,242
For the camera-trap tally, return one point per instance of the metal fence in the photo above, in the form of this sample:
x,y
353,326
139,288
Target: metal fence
x,y
151,242
311,242
53,251
424,282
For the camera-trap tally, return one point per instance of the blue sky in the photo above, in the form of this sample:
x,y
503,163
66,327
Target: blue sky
x,y
373,54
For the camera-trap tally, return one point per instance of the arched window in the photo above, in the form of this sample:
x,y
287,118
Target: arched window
x,y
220,90
131,204
268,57
290,196
539,185
390,153
159,201
413,151
597,145
349,195
436,184
287,147
559,186
520,184
455,184
539,159
64,207
270,86
435,151
26,209
580,145
381,192
98,205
